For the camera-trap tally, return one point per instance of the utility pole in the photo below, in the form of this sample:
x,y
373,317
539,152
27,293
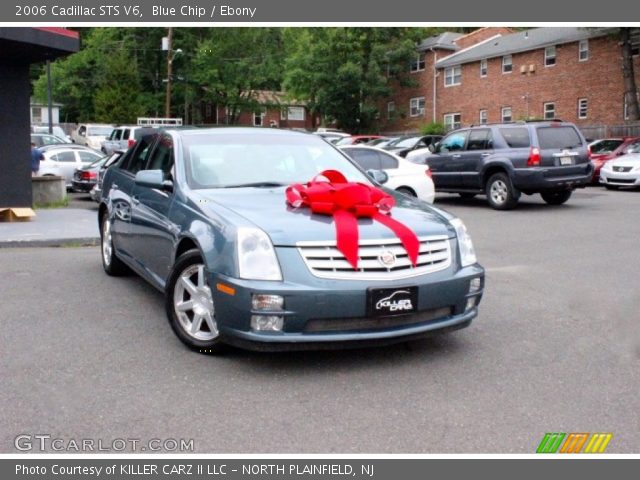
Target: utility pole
x,y
49,98
167,105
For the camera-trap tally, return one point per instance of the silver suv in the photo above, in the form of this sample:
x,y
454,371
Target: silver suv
x,y
122,138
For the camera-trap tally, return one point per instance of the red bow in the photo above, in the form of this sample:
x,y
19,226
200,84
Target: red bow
x,y
330,194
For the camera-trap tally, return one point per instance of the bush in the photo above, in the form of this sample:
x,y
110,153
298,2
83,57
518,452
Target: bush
x,y
433,128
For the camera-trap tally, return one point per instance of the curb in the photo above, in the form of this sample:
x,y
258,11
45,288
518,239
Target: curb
x,y
53,242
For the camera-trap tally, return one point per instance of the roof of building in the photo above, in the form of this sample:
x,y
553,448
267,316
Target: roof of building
x,y
445,40
521,42
272,97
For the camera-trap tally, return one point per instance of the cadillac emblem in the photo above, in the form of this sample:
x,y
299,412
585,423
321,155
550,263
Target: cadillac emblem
x,y
387,258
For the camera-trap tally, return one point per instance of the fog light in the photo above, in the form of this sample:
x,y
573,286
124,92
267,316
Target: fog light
x,y
267,323
471,302
475,285
267,302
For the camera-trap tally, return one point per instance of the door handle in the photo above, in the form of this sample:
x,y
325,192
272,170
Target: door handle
x,y
485,154
457,155
135,200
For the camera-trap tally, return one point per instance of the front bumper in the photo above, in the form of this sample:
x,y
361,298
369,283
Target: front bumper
x,y
620,179
537,179
321,314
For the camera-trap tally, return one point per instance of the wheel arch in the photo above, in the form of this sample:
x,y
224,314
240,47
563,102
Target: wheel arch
x,y
492,169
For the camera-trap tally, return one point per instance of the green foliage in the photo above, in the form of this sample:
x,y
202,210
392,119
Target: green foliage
x,y
116,97
344,72
433,128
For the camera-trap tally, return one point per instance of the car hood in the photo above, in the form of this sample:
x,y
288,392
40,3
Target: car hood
x,y
267,209
629,160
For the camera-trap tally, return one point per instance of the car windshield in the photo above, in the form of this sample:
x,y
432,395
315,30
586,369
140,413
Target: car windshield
x,y
99,131
404,142
237,160
605,146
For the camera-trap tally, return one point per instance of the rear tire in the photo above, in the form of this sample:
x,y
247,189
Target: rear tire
x,y
111,264
501,193
189,305
556,197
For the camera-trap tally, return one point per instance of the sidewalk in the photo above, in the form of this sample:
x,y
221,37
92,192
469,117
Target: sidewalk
x,y
53,228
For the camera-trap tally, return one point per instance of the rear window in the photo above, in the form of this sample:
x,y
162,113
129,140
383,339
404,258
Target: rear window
x,y
516,137
558,137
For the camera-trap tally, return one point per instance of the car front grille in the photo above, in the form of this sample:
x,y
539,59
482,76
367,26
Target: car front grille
x,y
347,324
324,260
621,180
622,169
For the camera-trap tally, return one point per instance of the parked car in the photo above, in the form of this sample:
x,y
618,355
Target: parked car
x,y
42,139
55,130
91,134
404,177
85,178
504,160
381,142
403,145
601,151
357,139
124,137
63,160
623,171
212,218
331,135
96,191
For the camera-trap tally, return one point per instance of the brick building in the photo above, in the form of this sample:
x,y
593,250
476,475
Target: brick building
x,y
495,74
275,110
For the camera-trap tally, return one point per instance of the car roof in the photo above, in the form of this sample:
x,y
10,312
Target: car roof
x,y
187,132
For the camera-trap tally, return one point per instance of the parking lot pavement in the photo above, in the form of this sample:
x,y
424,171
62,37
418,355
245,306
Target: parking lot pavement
x,y
556,348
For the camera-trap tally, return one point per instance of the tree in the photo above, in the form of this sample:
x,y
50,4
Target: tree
x,y
231,64
116,98
343,73
628,75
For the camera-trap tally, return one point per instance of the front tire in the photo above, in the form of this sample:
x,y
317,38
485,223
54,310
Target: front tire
x,y
556,197
406,191
501,193
189,305
111,264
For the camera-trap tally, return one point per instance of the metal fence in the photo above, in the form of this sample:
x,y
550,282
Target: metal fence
x,y
605,131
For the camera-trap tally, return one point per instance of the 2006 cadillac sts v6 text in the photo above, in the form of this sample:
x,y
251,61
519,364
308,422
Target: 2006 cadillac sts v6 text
x,y
271,239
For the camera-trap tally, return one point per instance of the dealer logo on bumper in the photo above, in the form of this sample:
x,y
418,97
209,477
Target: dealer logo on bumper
x,y
399,301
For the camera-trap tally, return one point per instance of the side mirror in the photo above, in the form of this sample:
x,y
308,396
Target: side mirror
x,y
378,176
153,179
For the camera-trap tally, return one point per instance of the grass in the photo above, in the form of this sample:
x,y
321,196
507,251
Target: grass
x,y
58,204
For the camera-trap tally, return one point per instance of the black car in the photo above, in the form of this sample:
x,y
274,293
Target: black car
x,y
403,145
505,160
84,179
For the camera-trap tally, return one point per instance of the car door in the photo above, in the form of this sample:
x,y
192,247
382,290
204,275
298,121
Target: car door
x,y
120,192
446,162
153,233
479,146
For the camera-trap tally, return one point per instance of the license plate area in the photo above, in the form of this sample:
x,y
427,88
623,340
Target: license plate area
x,y
387,302
566,160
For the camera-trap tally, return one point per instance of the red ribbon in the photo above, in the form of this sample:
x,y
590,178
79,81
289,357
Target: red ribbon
x,y
330,194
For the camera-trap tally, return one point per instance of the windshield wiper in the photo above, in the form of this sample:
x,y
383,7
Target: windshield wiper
x,y
257,185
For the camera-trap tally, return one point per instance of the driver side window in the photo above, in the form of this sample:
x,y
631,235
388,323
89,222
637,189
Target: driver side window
x,y
454,142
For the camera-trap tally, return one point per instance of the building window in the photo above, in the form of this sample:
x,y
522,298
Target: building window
x,y
295,114
283,113
549,111
483,67
391,110
452,76
416,106
507,64
483,117
583,50
550,56
417,64
506,114
583,108
258,118
452,121
36,115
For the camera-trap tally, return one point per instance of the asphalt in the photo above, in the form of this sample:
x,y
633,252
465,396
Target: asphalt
x,y
75,225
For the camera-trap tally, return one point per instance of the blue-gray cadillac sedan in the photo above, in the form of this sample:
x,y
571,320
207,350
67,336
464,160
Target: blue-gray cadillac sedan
x,y
203,216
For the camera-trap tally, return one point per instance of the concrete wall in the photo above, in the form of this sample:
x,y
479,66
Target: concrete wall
x,y
48,189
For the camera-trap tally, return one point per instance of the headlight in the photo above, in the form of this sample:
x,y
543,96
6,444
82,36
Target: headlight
x,y
465,245
256,256
636,168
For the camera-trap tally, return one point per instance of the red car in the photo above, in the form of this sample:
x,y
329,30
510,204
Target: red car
x,y
357,139
603,150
